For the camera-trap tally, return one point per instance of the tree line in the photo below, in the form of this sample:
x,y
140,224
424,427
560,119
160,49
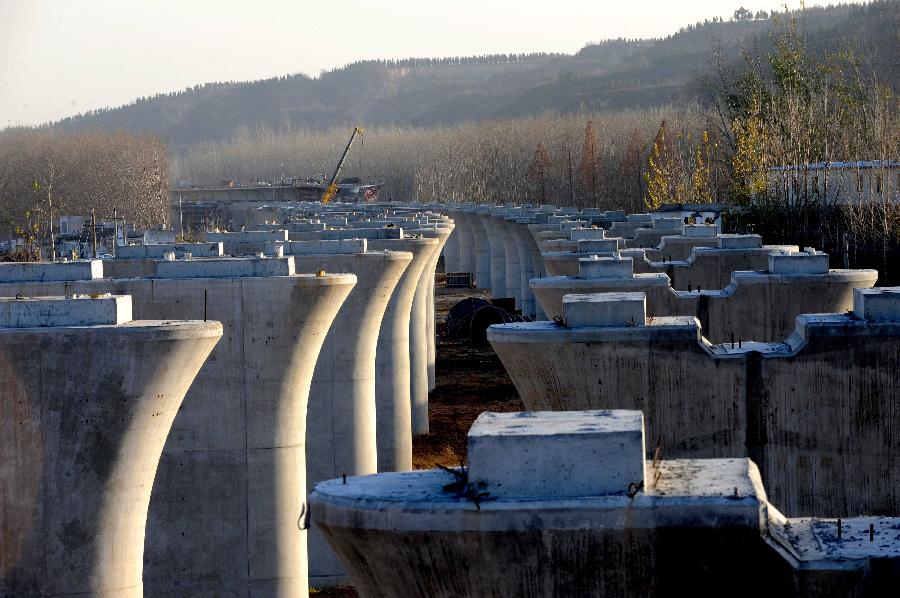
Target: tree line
x,y
46,174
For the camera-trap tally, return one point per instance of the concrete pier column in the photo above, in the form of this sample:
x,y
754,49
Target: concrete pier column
x,y
467,243
451,248
393,405
526,269
430,320
498,257
341,421
482,248
511,256
421,358
87,401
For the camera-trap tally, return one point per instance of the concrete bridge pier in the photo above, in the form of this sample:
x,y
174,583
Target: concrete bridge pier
x,y
511,256
393,405
498,248
88,398
483,259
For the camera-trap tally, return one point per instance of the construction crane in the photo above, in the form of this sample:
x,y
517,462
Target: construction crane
x,y
333,187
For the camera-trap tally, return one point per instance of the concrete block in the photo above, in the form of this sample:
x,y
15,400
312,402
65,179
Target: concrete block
x,y
598,245
226,268
393,232
605,309
248,236
554,454
159,236
700,230
880,304
583,234
50,271
799,263
572,224
326,246
642,218
158,250
65,311
667,223
740,241
606,267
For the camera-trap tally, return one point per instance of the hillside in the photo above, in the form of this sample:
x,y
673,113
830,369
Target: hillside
x,y
420,92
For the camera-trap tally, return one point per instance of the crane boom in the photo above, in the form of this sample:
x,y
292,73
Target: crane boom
x,y
332,188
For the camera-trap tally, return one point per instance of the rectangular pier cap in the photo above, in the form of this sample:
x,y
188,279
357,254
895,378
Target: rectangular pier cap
x,y
605,309
879,304
78,310
667,223
51,271
598,245
813,262
700,230
740,241
236,267
585,234
555,454
644,218
606,267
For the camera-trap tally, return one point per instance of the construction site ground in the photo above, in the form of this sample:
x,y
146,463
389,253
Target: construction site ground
x,y
468,380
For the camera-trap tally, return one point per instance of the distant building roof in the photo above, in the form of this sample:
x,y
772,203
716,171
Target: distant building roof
x,y
861,164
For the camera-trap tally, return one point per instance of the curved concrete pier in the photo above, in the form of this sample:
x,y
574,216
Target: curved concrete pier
x,y
341,431
572,528
233,471
421,358
87,402
483,258
467,243
511,255
393,405
497,247
430,320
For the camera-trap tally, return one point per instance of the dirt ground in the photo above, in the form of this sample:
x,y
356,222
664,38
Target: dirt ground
x,y
469,380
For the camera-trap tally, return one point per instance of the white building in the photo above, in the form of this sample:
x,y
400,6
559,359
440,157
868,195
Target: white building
x,y
839,182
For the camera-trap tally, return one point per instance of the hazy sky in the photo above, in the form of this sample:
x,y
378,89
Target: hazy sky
x,y
62,57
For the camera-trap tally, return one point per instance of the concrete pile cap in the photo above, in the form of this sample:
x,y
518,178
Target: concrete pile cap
x,y
879,304
238,267
51,271
667,223
585,234
78,310
556,454
803,262
158,250
248,236
740,241
598,245
609,310
326,246
700,230
605,267
642,218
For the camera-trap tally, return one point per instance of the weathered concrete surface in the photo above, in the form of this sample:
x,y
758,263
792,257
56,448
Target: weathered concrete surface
x,y
421,358
546,547
756,306
482,249
864,560
812,412
51,271
393,405
497,248
341,435
709,267
232,478
84,414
